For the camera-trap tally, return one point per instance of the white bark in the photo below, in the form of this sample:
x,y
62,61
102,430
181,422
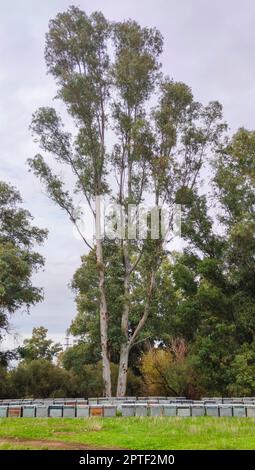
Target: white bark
x,y
103,321
124,349
126,346
102,305
123,369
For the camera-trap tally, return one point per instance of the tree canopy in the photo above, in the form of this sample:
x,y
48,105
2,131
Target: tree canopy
x,y
18,260
125,148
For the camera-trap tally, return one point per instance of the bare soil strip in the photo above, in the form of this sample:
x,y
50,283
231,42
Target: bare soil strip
x,y
48,444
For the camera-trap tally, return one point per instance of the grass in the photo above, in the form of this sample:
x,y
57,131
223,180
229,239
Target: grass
x,y
130,433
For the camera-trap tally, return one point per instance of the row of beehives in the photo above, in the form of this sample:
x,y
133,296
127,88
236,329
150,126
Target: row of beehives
x,y
94,401
128,410
128,400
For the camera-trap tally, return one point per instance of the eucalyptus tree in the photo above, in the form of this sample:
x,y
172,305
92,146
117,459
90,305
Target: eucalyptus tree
x,y
138,137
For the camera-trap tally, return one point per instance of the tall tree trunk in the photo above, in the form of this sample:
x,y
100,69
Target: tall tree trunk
x,y
103,305
126,347
123,369
103,322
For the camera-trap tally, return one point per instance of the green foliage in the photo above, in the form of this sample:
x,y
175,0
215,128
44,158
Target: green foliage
x,y
18,260
38,346
169,371
106,74
215,275
40,379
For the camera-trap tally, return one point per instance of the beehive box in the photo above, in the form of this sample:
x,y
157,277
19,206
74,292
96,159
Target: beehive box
x,y
227,401
92,401
155,410
14,412
42,411
197,410
96,410
128,410
141,410
169,410
68,411
212,410
55,411
225,410
239,411
81,401
110,411
82,411
3,411
250,411
183,410
105,401
70,403
28,411
218,399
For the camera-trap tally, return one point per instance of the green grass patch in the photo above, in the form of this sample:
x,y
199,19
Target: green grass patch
x,y
133,433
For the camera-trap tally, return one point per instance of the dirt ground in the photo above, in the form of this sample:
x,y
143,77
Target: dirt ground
x,y
46,444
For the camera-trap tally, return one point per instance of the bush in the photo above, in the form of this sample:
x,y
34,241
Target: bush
x,y
40,379
169,372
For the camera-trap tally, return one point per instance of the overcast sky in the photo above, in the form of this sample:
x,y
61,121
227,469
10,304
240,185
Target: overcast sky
x,y
208,45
